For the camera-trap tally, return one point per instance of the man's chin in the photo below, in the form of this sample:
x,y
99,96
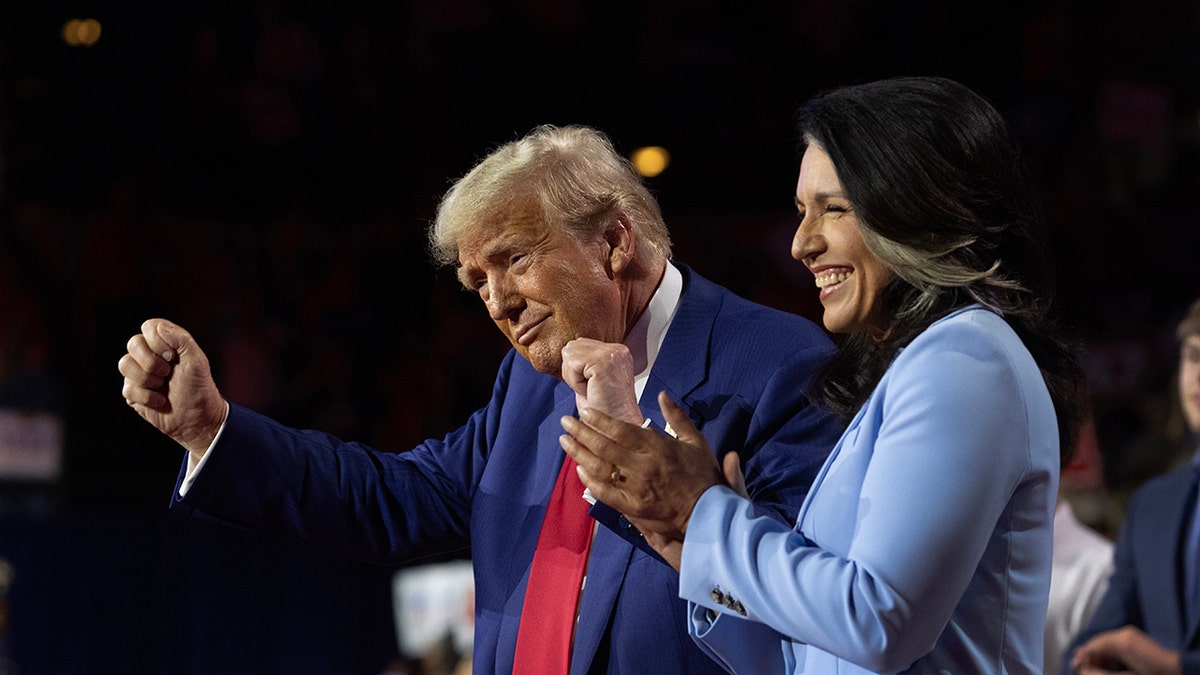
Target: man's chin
x,y
543,363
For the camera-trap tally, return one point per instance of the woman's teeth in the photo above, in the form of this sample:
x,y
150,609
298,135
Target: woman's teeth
x,y
830,279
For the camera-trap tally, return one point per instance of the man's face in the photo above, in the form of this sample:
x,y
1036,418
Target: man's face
x,y
541,286
1189,381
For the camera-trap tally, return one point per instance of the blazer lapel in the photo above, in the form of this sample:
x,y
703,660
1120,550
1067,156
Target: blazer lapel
x,y
606,572
1186,498
681,366
682,363
1163,540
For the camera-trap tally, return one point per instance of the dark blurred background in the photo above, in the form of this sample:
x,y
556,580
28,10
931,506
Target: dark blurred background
x,y
262,173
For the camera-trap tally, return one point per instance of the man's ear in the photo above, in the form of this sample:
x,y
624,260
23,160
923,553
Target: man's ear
x,y
622,243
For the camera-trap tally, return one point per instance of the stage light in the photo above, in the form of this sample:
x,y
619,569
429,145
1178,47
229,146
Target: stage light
x,y
651,160
81,32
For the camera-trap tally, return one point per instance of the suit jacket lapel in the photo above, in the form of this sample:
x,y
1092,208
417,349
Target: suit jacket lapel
x,y
605,574
682,363
1180,505
681,366
1165,550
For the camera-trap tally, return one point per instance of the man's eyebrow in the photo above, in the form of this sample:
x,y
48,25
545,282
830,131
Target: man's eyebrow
x,y
497,247
501,244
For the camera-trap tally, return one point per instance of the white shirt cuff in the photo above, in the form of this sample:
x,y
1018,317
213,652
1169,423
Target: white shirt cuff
x,y
194,466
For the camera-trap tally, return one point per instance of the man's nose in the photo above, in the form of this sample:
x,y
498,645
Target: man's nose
x,y
502,300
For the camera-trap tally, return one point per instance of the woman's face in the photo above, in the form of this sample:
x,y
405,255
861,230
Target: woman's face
x,y
829,242
1189,381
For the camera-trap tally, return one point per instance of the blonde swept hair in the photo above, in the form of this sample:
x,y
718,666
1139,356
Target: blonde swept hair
x,y
575,177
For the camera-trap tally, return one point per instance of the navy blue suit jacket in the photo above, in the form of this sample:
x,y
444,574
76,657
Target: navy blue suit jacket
x,y
1146,588
738,368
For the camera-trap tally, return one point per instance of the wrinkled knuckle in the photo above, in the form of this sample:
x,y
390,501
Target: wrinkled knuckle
x,y
134,377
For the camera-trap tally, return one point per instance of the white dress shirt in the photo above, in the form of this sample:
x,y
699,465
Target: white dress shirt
x,y
1080,567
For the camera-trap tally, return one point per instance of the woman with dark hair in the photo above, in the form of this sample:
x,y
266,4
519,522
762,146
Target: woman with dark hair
x,y
924,544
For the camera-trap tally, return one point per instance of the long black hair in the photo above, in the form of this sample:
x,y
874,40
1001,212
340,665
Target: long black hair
x,y
944,200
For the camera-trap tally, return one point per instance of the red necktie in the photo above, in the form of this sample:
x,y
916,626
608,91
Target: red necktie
x,y
548,616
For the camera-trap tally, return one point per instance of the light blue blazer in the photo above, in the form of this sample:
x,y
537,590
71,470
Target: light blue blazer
x,y
924,544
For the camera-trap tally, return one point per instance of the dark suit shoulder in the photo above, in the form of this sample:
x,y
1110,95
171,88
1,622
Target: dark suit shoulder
x,y
769,330
1171,482
1159,503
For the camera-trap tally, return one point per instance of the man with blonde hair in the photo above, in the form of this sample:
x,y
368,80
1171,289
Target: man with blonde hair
x,y
569,254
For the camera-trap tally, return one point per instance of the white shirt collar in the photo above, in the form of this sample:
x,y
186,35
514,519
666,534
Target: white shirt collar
x,y
646,336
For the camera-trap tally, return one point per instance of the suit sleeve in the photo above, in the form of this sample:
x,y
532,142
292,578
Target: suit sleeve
x,y
358,501
740,646
788,438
